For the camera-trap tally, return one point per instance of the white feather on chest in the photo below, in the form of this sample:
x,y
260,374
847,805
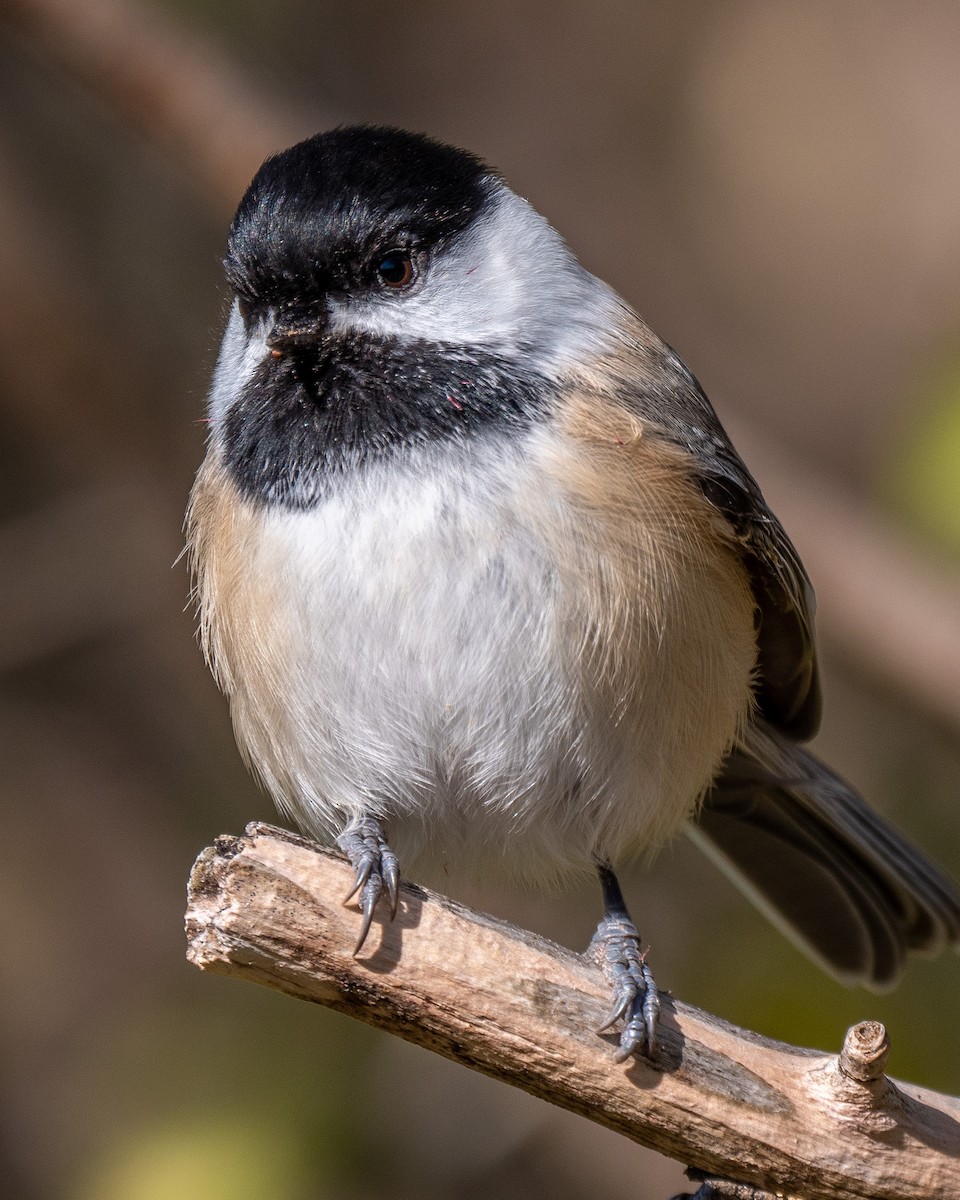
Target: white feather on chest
x,y
474,648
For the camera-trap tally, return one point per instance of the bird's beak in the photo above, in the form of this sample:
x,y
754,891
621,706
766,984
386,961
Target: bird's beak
x,y
297,327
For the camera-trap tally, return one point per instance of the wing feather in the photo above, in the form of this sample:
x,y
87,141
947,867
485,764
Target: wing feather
x,y
668,399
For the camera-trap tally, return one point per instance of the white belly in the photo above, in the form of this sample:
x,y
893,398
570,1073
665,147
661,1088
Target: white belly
x,y
467,652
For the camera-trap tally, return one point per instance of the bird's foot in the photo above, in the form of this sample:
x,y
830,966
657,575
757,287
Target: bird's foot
x,y
636,1001
715,1188
377,868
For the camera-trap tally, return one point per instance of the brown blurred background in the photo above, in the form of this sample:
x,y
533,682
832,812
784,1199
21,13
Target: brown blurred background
x,y
776,188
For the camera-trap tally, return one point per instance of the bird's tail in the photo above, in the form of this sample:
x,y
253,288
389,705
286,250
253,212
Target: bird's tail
x,y
852,891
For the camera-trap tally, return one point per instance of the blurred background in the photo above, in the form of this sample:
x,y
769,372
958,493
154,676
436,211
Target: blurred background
x,y
776,188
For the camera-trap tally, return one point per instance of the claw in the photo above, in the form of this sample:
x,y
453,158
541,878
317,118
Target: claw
x,y
619,1009
376,869
651,1009
368,903
390,870
363,851
631,1039
363,874
636,1002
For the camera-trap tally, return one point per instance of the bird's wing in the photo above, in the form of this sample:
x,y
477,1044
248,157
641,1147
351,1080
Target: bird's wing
x,y
671,403
851,890
847,886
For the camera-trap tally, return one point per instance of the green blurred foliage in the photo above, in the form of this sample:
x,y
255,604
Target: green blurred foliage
x,y
216,1091
923,481
220,1156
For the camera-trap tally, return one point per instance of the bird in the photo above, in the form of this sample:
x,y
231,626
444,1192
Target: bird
x,y
487,585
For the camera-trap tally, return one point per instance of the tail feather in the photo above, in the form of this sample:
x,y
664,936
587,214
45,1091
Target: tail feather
x,y
849,888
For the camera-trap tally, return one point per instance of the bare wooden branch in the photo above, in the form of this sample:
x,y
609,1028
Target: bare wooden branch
x,y
267,907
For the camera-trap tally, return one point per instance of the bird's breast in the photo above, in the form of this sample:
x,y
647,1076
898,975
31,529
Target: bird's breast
x,y
537,645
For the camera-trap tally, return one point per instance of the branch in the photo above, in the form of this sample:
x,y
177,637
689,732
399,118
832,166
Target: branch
x,y
267,907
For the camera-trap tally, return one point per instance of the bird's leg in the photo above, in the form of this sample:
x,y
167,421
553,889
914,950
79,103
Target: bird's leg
x,y
365,844
616,947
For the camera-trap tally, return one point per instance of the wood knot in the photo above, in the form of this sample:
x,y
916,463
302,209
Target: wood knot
x,y
865,1051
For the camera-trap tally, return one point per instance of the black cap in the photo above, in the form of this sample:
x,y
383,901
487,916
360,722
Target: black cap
x,y
315,214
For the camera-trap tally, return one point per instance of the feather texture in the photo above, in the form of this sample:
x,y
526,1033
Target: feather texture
x,y
853,892
476,556
534,649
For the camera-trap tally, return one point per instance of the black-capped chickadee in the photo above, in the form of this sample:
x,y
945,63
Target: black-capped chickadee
x,y
484,578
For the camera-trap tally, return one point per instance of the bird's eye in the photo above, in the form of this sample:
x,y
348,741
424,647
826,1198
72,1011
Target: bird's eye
x,y
395,270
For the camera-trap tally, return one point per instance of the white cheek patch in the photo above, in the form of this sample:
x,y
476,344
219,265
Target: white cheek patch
x,y
240,353
509,284
467,296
